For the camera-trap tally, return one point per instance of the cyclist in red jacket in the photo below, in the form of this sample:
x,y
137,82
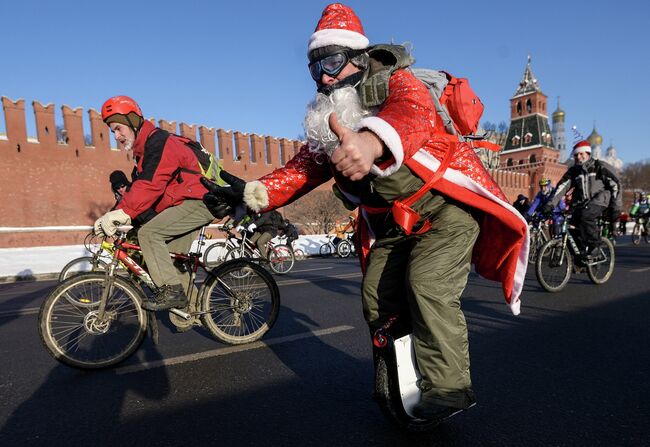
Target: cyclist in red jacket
x,y
164,199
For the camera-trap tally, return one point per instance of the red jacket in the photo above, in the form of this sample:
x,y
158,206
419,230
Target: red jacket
x,y
161,177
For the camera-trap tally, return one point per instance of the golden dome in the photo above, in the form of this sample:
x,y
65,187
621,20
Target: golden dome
x,y
595,139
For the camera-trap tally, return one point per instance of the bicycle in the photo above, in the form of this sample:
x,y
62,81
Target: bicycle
x,y
346,246
539,235
96,320
280,257
556,260
216,253
640,231
328,248
101,254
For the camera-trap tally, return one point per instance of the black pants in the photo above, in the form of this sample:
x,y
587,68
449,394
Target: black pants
x,y
586,220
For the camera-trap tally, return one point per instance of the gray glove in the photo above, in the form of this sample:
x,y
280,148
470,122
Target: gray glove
x,y
108,223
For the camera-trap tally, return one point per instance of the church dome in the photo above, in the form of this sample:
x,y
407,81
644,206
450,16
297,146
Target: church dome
x,y
595,139
558,115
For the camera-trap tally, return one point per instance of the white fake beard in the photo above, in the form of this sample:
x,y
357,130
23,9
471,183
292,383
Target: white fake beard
x,y
346,103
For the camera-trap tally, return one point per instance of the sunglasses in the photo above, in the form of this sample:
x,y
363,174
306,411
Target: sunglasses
x,y
331,65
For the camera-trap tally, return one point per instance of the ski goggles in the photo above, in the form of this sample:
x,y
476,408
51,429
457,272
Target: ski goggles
x,y
331,65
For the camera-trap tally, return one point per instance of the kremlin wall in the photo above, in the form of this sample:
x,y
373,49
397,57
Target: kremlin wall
x,y
50,183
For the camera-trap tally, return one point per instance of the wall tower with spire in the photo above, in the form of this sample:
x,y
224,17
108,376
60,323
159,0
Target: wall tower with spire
x,y
529,145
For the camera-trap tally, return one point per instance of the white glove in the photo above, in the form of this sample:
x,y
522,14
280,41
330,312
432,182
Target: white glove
x,y
252,227
108,223
239,229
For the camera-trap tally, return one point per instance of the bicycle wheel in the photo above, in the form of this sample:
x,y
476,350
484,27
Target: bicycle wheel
x,y
636,234
553,266
238,253
298,254
326,249
343,249
72,332
83,264
215,254
239,308
281,259
599,272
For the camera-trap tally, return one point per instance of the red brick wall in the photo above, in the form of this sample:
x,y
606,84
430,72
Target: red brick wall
x,y
49,183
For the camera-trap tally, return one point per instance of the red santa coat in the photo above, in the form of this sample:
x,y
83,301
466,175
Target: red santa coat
x,y
407,123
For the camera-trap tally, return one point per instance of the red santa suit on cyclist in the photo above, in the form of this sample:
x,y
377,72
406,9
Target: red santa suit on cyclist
x,y
411,130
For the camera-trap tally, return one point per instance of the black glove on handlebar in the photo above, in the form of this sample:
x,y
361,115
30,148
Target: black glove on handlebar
x,y
221,200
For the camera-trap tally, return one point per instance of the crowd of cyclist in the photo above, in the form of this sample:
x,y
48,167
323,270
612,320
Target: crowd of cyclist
x,y
590,193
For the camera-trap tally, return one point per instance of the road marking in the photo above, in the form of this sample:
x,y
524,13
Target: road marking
x,y
229,350
312,270
645,269
288,282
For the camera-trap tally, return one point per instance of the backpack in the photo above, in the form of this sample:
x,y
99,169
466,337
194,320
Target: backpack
x,y
209,166
458,108
458,112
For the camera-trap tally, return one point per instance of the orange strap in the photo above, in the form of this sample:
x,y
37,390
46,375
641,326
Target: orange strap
x,y
405,216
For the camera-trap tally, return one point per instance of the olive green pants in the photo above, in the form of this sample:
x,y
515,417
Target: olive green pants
x,y
173,230
260,240
423,277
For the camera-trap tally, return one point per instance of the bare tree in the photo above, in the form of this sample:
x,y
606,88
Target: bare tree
x,y
636,176
317,212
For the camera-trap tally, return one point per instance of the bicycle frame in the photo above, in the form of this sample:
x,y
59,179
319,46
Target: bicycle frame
x,y
119,250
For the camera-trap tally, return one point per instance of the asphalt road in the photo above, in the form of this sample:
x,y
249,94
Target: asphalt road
x,y
572,370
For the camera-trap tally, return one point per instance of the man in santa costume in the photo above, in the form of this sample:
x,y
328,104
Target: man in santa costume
x,y
381,143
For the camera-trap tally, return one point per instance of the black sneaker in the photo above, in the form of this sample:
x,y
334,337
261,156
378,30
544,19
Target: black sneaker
x,y
431,407
167,297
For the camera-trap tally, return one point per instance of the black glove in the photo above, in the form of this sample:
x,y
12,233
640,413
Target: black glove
x,y
221,200
547,209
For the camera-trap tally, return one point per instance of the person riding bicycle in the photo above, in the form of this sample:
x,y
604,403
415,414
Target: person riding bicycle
x,y
265,226
164,200
596,188
290,231
541,198
370,150
341,231
641,207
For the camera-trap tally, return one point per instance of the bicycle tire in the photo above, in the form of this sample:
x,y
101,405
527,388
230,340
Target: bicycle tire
x,y
636,234
82,264
281,259
344,249
239,308
552,276
71,333
600,273
215,254
298,254
325,249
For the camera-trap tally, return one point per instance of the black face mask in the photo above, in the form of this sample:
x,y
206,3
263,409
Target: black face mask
x,y
352,80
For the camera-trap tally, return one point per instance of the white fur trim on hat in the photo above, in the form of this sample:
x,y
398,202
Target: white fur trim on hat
x,y
341,37
391,139
255,195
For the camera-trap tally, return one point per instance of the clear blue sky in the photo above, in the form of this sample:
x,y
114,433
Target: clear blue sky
x,y
242,65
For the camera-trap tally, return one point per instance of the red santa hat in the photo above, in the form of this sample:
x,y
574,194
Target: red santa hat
x,y
582,146
338,25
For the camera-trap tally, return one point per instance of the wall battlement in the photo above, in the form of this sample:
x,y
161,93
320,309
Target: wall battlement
x,y
47,180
